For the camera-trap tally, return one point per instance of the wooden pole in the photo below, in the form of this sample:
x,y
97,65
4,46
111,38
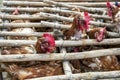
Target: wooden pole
x,y
20,25
89,4
42,24
66,64
28,25
40,4
23,17
24,3
61,18
82,42
39,34
35,34
47,9
73,6
113,34
85,76
44,16
30,10
68,0
59,56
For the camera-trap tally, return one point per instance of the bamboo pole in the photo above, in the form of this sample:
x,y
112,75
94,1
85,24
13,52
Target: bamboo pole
x,y
82,42
30,10
40,4
39,34
84,76
42,24
28,25
59,56
60,26
35,34
47,9
61,18
23,17
51,16
72,6
43,15
89,4
25,3
113,34
68,0
20,25
66,64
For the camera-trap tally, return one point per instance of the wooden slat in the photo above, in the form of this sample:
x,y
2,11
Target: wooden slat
x,y
85,76
115,41
39,4
73,6
59,56
30,10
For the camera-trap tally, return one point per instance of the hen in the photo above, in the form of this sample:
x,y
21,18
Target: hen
x,y
46,44
77,30
114,12
40,70
97,33
105,63
79,27
24,70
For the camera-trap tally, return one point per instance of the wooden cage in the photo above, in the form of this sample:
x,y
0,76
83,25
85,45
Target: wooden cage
x,y
55,14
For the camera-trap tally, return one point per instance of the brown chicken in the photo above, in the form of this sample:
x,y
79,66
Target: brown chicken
x,y
32,69
46,44
112,9
41,70
105,63
114,12
97,33
117,22
18,50
78,27
22,30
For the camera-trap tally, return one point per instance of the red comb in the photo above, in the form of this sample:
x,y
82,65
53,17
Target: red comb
x,y
109,6
50,39
87,19
16,12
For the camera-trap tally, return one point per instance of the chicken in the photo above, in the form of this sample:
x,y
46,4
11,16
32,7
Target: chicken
x,y
97,33
114,12
79,27
31,69
105,63
40,70
46,44
18,50
112,9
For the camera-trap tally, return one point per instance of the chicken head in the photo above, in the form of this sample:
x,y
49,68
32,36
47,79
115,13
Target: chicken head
x,y
101,34
45,44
